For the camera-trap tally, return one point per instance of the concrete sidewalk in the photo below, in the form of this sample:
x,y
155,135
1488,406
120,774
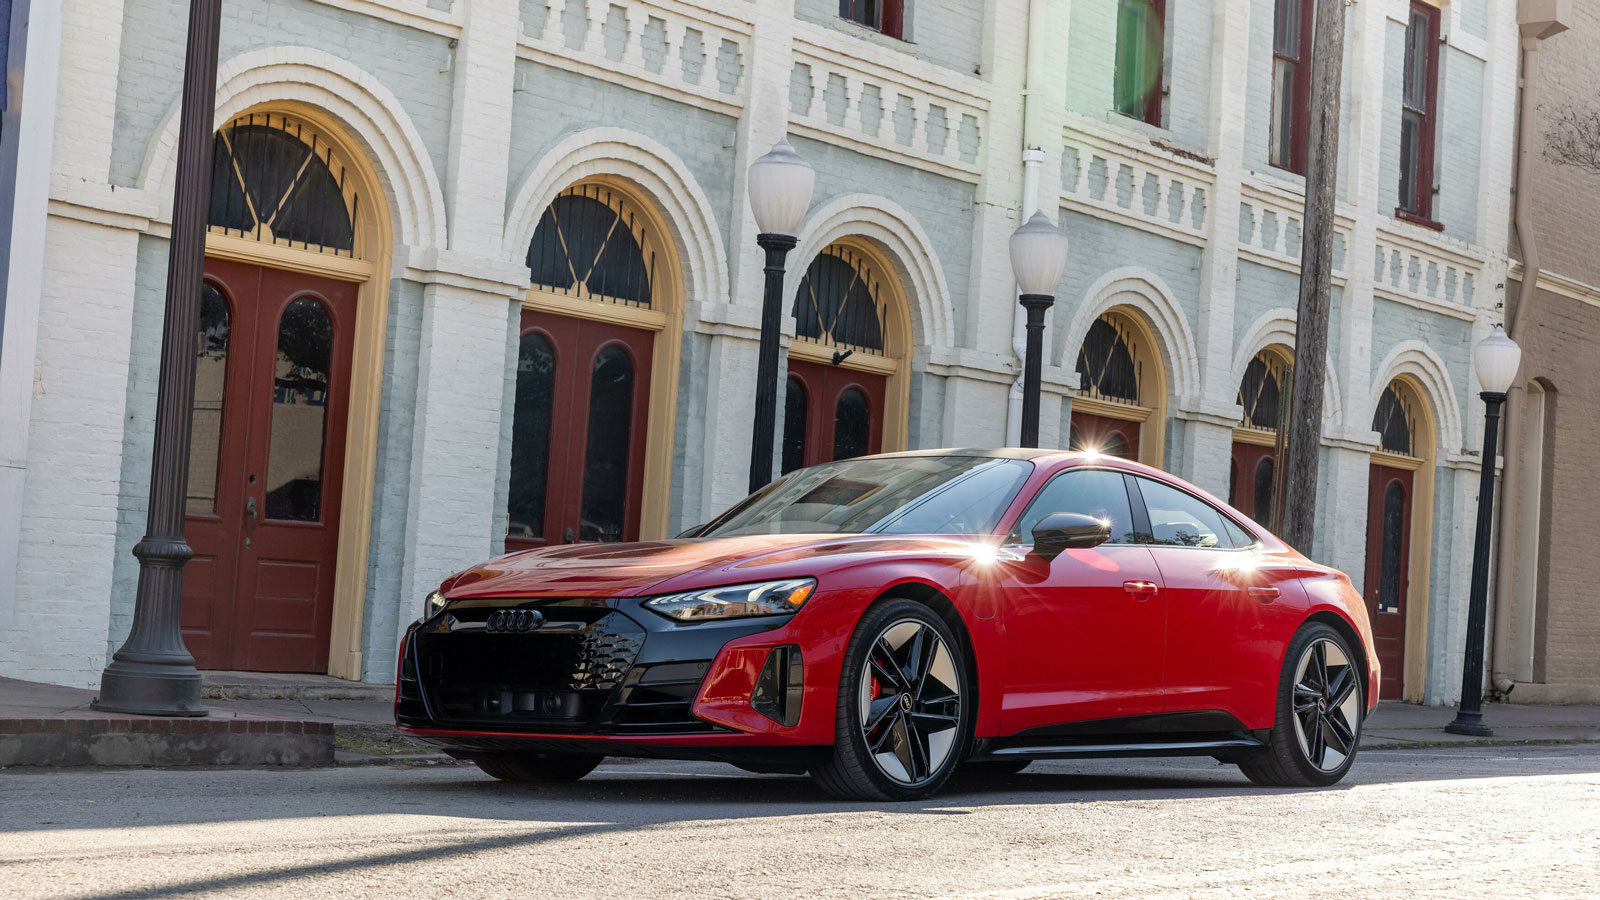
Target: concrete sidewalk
x,y
273,720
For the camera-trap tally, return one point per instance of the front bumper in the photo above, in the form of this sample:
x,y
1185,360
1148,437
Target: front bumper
x,y
603,675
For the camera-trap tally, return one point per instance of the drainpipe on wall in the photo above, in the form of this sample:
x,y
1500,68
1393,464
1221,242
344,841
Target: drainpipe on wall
x,y
1032,159
1538,20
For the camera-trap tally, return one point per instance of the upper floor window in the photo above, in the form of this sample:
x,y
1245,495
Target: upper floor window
x,y
1291,84
886,16
1418,101
1137,85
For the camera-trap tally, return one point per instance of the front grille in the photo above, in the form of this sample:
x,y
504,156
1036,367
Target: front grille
x,y
657,699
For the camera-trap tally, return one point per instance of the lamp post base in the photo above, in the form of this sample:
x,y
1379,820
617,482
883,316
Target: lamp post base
x,y
1469,723
150,689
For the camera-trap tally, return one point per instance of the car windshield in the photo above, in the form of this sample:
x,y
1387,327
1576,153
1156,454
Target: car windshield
x,y
886,495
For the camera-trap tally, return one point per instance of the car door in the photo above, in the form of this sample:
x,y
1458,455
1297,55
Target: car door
x,y
1228,606
1084,631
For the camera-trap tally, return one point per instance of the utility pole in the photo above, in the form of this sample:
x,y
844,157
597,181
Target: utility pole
x,y
1316,267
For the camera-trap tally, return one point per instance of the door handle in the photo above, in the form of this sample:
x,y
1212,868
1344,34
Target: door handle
x,y
1141,590
250,512
1265,594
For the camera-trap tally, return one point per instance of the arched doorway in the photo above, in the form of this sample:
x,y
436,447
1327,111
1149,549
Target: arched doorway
x,y
1257,445
596,373
1119,407
293,247
1398,496
844,395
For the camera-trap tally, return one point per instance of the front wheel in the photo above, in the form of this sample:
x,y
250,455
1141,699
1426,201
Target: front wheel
x,y
541,767
1320,704
903,713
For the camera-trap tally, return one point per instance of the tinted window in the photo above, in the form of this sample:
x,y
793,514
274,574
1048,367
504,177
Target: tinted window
x,y
299,408
851,423
605,459
530,436
904,494
1090,492
1179,519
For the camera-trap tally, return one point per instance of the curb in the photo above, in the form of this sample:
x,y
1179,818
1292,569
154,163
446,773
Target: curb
x,y
139,742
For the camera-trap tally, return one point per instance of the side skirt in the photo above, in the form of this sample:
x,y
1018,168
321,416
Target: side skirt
x,y
1225,746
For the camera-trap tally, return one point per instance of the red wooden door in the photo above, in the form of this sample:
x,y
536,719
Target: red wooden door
x,y
1252,481
577,459
267,468
1112,437
1388,577
831,412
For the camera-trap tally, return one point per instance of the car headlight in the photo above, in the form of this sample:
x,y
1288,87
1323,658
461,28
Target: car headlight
x,y
434,604
766,598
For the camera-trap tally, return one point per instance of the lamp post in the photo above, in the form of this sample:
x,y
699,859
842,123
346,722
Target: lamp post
x,y
1038,254
1496,359
153,673
780,186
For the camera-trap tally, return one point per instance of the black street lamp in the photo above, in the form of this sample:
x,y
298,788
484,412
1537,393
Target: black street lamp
x,y
153,673
1038,254
1496,359
780,186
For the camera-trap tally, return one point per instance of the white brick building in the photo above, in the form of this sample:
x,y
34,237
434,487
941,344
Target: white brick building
x,y
464,196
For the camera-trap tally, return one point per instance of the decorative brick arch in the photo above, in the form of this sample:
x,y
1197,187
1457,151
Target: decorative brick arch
x,y
905,244
1141,290
650,167
1430,375
367,111
1277,326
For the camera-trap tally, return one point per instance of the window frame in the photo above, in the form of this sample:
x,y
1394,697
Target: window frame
x,y
891,16
1026,540
1423,175
1141,517
1300,89
1153,103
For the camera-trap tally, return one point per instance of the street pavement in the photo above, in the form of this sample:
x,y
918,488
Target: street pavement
x,y
1458,821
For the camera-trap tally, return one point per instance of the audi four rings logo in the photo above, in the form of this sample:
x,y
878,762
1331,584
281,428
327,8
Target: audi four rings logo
x,y
514,620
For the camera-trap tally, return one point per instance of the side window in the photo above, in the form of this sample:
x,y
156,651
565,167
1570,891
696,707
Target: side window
x,y
1179,519
1090,492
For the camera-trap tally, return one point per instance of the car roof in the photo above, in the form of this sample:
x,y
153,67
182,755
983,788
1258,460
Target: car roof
x,y
1032,454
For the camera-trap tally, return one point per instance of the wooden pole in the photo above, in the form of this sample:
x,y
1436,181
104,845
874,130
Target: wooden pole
x,y
1316,268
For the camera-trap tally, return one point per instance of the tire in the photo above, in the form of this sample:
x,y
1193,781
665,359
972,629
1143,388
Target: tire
x,y
539,767
1321,702
900,649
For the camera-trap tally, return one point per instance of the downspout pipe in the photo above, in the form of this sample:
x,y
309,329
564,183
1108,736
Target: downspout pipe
x,y
1032,160
1503,661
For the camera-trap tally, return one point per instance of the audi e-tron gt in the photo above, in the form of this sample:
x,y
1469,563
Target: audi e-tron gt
x,y
880,621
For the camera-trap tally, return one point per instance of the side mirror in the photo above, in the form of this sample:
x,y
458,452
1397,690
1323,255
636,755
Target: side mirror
x,y
1068,531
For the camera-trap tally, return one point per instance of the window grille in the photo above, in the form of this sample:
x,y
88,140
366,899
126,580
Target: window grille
x,y
839,304
1107,367
274,179
1261,393
1395,421
592,242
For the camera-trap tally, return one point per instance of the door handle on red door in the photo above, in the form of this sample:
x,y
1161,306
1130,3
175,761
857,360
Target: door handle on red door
x,y
1265,594
1141,590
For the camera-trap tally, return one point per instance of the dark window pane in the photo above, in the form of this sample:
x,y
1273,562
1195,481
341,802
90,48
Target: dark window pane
x,y
794,425
1280,152
210,380
1394,507
837,302
589,237
299,412
1105,364
605,459
863,12
1410,157
852,423
1092,492
1179,519
1286,28
1233,483
1262,512
265,174
1416,68
1259,394
1393,422
530,436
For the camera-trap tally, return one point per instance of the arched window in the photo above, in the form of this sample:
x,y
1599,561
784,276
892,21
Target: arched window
x,y
838,303
1261,394
794,424
1107,369
592,242
530,435
275,179
605,459
852,425
1395,420
299,412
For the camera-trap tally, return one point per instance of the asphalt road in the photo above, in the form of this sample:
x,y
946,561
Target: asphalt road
x,y
1458,822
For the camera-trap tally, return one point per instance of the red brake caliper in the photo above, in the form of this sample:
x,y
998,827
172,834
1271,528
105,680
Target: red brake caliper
x,y
877,688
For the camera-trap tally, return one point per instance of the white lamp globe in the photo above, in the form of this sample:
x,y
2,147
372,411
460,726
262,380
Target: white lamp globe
x,y
1038,254
1497,358
780,186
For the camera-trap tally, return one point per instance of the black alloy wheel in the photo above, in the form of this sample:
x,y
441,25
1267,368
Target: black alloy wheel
x,y
539,767
1320,706
903,722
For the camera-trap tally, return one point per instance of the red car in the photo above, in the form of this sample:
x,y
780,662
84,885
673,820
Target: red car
x,y
881,621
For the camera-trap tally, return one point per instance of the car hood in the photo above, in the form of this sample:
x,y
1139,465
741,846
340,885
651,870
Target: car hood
x,y
646,567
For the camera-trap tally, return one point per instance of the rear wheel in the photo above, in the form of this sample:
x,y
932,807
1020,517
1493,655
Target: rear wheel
x,y
1320,704
546,767
903,715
